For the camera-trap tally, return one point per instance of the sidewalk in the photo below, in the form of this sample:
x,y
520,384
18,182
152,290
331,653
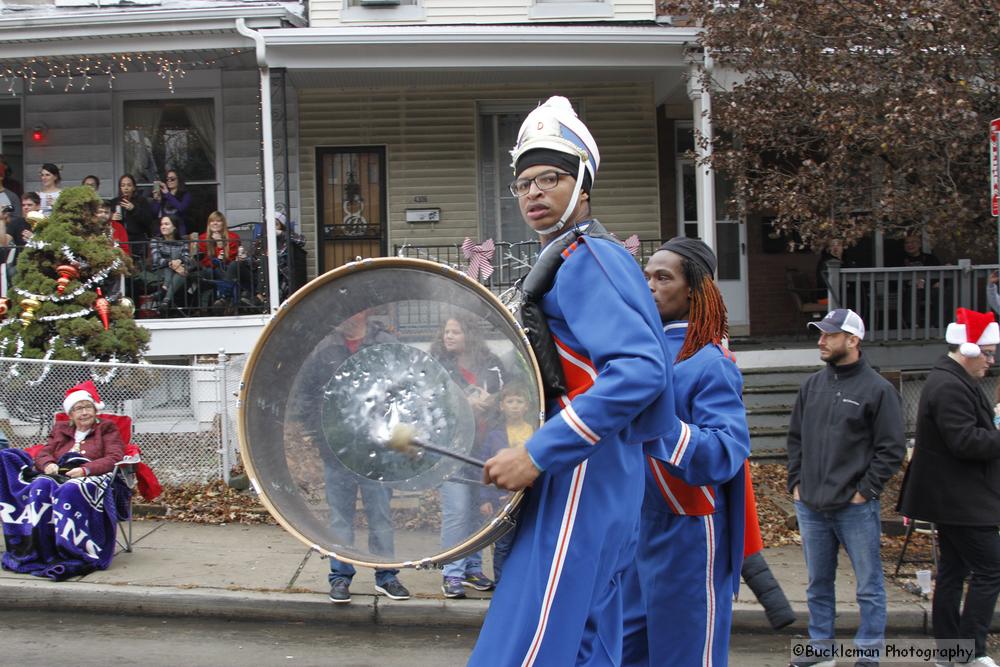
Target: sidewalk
x,y
244,572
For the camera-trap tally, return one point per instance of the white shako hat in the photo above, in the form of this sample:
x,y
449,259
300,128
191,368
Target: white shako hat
x,y
555,130
972,329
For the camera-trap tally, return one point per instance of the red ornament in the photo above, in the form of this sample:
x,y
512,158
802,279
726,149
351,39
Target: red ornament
x,y
102,308
67,273
4,305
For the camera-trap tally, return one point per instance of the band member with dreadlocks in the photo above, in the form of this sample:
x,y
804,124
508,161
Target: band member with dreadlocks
x,y
691,534
594,327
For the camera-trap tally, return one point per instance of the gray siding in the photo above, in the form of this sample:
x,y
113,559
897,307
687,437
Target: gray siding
x,y
79,134
431,146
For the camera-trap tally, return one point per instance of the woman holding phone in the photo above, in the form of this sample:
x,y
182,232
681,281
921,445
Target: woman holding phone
x,y
133,211
172,198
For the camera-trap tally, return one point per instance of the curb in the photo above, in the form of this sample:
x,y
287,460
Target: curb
x,y
237,604
365,609
902,618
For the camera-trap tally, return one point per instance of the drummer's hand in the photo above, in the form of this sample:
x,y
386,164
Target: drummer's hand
x,y
510,469
76,472
51,469
486,509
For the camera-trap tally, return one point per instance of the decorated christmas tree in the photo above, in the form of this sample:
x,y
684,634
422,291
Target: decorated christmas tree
x,y
65,303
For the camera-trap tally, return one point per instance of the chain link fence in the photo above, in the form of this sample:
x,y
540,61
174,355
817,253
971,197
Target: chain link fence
x,y
183,417
911,383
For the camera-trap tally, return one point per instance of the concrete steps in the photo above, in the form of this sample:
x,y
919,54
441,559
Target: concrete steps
x,y
769,395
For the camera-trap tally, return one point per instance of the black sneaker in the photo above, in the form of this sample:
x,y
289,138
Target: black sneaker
x,y
393,589
340,591
479,581
452,588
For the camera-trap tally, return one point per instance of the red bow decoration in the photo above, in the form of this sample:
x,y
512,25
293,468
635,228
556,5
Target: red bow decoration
x,y
480,258
632,245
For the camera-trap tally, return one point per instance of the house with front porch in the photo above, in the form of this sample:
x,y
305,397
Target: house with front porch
x,y
380,127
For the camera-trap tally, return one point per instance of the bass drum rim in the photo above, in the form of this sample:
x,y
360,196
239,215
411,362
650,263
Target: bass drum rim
x,y
498,525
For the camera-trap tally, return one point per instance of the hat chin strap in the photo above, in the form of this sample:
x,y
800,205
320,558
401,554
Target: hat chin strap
x,y
572,202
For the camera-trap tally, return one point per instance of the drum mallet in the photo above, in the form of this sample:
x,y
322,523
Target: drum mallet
x,y
404,440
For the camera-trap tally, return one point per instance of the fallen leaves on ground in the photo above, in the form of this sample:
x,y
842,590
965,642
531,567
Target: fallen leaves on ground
x,y
213,503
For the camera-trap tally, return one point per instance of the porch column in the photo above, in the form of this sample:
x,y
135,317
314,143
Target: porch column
x,y
704,176
267,157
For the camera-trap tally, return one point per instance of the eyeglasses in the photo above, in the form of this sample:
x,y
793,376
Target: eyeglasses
x,y
171,178
547,180
992,356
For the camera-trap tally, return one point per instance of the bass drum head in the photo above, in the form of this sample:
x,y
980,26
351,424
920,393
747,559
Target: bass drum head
x,y
349,360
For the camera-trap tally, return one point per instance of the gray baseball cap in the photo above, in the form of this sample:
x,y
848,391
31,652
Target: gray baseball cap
x,y
841,320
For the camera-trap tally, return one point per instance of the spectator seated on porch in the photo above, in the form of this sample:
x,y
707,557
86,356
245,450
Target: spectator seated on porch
x,y
918,293
836,249
217,249
169,265
64,515
290,278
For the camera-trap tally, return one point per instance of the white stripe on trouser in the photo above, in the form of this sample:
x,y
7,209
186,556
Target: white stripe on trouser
x,y
709,589
558,558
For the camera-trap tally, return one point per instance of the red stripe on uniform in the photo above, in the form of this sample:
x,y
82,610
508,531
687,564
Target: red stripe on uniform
x,y
580,372
681,496
658,475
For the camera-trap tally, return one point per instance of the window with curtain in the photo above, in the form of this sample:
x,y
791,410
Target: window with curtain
x,y
177,134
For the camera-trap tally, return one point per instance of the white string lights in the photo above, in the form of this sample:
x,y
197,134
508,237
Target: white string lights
x,y
79,71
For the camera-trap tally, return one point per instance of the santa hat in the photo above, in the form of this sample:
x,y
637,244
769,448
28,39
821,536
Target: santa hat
x,y
85,391
970,330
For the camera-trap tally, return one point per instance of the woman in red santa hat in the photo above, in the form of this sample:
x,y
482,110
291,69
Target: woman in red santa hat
x,y
94,439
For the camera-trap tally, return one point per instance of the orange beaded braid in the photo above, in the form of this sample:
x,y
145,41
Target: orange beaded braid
x,y
707,320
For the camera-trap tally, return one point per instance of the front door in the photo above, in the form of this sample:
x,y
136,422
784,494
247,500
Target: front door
x,y
730,244
350,204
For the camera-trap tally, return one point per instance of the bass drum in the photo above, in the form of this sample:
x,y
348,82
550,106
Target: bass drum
x,y
349,357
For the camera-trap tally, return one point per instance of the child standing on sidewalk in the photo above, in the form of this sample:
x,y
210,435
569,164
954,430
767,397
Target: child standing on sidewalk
x,y
513,432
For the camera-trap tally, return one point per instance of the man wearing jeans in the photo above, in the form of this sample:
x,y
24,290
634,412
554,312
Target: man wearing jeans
x,y
845,441
954,480
342,486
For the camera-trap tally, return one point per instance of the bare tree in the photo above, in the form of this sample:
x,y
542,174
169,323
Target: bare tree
x,y
850,114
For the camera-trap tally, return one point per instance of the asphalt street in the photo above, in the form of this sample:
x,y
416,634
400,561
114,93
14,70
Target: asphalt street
x,y
45,638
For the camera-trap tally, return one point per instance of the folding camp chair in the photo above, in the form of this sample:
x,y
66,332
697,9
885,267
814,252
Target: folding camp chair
x,y
922,528
919,527
125,471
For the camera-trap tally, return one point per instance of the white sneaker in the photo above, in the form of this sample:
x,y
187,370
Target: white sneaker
x,y
985,660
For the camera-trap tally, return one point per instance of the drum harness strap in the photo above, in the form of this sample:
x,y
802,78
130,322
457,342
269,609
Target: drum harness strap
x,y
535,285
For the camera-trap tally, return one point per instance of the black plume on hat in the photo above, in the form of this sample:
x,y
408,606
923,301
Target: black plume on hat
x,y
694,249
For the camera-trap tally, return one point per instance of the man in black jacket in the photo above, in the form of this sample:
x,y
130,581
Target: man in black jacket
x,y
845,441
954,480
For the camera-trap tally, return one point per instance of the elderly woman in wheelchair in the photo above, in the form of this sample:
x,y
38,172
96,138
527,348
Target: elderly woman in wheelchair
x,y
96,441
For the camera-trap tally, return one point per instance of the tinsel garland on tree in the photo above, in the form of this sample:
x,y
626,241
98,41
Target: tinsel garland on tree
x,y
72,250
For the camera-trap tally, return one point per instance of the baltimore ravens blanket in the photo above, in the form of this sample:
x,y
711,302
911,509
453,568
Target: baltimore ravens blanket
x,y
53,526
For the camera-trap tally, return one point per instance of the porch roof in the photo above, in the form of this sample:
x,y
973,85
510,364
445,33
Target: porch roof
x,y
179,26
464,47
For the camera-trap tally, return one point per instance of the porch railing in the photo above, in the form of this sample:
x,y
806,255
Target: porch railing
x,y
909,303
209,289
511,261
